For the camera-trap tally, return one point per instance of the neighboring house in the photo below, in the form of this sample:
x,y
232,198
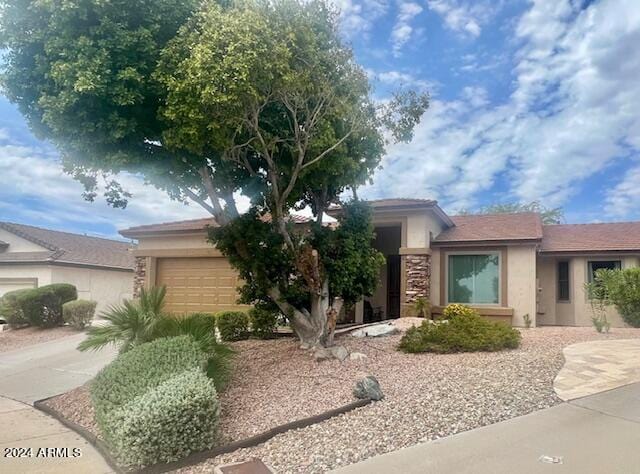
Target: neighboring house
x,y
505,265
101,269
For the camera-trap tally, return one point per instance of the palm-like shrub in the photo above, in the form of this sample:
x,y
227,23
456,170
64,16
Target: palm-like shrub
x,y
129,324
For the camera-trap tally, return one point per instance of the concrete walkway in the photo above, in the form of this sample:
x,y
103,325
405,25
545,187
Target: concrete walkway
x,y
592,367
592,435
50,368
34,434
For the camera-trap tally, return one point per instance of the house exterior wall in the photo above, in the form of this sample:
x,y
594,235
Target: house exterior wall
x,y
577,311
184,241
15,277
106,287
18,244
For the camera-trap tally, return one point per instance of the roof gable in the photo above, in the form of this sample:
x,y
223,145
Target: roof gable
x,y
477,228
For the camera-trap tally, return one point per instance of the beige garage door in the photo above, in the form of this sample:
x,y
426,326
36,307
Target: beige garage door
x,y
202,284
11,284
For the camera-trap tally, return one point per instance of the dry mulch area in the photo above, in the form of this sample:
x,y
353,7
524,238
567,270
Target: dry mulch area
x,y
427,396
11,339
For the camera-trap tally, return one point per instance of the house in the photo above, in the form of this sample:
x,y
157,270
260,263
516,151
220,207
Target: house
x,y
508,266
101,269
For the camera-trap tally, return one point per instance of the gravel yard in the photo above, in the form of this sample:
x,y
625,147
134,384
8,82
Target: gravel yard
x,y
11,339
427,396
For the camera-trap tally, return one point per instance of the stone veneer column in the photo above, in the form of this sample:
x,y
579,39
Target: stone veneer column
x,y
418,280
139,275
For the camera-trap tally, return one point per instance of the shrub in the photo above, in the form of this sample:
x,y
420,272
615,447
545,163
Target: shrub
x,y
263,322
233,325
130,324
422,307
78,313
456,309
43,306
10,309
621,288
154,404
462,333
202,328
131,374
167,423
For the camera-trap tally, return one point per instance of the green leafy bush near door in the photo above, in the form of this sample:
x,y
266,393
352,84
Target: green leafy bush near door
x,y
620,288
466,331
154,403
233,325
78,313
40,307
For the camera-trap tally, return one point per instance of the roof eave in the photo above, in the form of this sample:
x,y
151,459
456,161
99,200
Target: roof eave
x,y
484,242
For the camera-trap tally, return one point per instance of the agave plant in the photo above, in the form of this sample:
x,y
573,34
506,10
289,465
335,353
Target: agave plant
x,y
127,325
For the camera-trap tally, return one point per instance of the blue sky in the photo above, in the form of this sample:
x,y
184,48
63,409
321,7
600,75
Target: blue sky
x,y
531,100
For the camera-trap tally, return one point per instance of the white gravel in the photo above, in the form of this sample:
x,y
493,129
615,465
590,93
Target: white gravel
x,y
427,396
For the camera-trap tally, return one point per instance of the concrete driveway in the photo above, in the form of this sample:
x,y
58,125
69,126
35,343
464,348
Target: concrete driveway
x,y
49,368
590,435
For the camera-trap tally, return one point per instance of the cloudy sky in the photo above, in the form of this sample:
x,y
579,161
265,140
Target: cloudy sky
x,y
531,100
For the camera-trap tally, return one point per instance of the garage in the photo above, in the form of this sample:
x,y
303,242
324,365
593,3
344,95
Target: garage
x,y
11,284
198,284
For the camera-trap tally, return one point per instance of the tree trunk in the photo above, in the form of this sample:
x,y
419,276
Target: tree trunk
x,y
314,327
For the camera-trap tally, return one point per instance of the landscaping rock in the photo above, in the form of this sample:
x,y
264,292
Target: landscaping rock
x,y
334,352
357,356
377,330
368,387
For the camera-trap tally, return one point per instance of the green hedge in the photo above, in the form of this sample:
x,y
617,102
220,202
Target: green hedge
x,y
233,325
10,309
168,422
462,333
78,313
263,323
154,403
43,306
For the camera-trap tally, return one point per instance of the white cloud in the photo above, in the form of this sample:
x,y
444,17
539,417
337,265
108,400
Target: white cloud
x,y
400,79
358,16
464,17
34,188
624,199
573,111
402,30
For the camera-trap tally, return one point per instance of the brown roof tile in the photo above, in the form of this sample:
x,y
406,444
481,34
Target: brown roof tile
x,y
612,236
492,227
192,225
65,247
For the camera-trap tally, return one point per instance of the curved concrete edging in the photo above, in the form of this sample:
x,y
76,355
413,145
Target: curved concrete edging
x,y
597,366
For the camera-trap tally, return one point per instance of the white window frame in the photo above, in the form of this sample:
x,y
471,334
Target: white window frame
x,y
473,252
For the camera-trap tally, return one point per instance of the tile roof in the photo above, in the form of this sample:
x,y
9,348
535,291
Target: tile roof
x,y
492,227
64,247
192,225
611,236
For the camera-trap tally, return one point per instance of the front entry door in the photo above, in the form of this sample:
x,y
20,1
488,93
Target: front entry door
x,y
393,286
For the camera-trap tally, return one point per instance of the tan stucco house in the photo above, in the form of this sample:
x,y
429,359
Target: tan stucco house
x,y
101,269
505,265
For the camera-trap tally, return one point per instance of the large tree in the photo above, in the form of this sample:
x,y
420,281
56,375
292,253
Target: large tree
x,y
548,215
213,100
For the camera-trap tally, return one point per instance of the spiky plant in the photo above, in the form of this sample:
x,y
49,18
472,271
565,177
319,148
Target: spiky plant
x,y
129,324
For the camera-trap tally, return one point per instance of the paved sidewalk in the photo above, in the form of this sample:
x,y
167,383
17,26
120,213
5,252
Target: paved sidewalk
x,y
50,368
25,427
593,435
593,367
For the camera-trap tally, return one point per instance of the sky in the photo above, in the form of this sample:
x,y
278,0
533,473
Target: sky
x,y
530,100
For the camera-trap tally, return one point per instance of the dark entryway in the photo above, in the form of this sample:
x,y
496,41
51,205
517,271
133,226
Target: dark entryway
x,y
393,286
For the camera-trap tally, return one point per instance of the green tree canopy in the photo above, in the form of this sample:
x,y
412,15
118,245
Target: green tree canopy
x,y
548,215
209,100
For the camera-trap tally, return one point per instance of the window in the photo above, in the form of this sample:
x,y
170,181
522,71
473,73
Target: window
x,y
596,265
563,281
474,279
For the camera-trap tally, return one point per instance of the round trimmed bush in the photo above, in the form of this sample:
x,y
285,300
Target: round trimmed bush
x,y
233,325
43,306
10,309
78,313
263,323
462,333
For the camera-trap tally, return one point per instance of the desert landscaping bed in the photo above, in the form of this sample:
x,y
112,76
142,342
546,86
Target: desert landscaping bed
x,y
11,339
427,396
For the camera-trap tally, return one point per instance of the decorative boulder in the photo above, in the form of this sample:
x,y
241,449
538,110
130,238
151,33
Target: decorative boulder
x,y
333,352
377,330
368,387
357,356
